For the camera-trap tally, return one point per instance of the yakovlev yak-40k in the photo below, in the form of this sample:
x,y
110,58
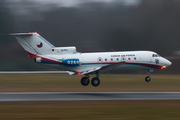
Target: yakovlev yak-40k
x,y
68,59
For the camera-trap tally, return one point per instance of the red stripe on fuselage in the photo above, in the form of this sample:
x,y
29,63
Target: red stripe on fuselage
x,y
46,59
143,64
49,60
102,63
31,55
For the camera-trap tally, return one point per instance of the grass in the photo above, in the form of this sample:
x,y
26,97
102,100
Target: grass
x,y
66,83
91,110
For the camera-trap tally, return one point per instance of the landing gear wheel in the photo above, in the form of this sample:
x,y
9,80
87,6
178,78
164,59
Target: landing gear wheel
x,y
85,81
147,79
95,82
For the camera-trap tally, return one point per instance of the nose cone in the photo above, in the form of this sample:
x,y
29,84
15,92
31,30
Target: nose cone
x,y
168,63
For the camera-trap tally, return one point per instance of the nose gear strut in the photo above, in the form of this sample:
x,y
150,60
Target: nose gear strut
x,y
148,78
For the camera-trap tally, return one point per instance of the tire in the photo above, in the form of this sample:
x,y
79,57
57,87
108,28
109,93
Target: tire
x,y
95,82
85,81
147,79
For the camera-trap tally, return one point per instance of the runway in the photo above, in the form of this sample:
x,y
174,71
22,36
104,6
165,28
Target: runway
x,y
79,96
32,72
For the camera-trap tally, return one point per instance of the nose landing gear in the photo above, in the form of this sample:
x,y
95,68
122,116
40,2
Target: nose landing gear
x,y
148,78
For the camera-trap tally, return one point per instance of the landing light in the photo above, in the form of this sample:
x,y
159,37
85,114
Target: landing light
x,y
163,67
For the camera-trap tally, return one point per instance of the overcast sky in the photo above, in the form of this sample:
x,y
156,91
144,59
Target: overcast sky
x,y
69,3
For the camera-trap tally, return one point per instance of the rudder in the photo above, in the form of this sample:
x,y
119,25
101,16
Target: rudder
x,y
33,43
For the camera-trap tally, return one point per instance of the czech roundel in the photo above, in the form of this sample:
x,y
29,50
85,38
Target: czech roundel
x,y
39,44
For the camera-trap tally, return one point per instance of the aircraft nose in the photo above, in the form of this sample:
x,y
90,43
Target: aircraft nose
x,y
168,63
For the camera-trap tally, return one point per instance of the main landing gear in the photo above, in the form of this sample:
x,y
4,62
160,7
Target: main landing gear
x,y
148,78
85,81
95,81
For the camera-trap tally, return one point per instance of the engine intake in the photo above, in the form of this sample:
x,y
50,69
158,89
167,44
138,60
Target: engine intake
x,y
38,60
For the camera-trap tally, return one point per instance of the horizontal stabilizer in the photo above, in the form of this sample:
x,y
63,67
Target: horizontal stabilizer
x,y
22,34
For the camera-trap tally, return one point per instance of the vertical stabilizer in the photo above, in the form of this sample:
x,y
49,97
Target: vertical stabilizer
x,y
33,43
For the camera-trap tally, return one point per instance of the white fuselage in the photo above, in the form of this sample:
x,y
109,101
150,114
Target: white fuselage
x,y
130,59
68,59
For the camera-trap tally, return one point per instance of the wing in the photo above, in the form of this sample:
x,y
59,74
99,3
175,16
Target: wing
x,y
96,69
87,71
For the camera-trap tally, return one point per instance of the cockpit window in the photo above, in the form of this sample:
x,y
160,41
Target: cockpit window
x,y
155,55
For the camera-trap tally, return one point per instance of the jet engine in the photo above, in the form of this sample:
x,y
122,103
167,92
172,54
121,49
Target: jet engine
x,y
38,60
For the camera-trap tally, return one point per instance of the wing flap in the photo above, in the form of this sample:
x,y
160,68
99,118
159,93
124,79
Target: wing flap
x,y
109,67
92,70
88,71
104,68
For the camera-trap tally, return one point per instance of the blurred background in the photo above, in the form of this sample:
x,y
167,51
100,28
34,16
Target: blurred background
x,y
91,25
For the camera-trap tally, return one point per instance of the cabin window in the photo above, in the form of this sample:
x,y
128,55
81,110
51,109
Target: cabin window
x,y
105,59
111,59
135,58
117,59
129,58
155,55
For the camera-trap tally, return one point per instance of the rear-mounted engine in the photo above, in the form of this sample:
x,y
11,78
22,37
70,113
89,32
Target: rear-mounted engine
x,y
38,60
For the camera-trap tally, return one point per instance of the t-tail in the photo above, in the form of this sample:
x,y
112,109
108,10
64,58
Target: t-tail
x,y
36,45
33,43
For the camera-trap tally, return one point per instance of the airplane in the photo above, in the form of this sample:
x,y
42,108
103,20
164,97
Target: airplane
x,y
68,59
